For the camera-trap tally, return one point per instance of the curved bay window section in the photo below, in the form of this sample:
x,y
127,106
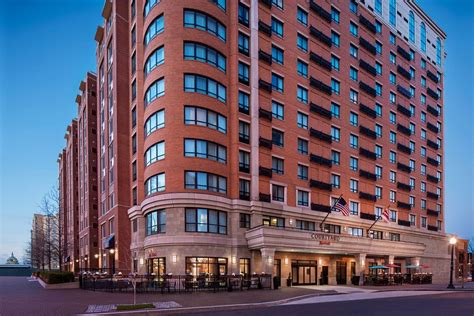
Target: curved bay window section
x,y
149,4
204,85
154,153
205,149
204,53
203,220
198,180
154,91
156,27
155,122
156,222
155,59
155,184
202,117
202,21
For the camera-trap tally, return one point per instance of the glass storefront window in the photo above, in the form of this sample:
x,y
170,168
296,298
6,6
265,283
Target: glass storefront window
x,y
157,267
197,266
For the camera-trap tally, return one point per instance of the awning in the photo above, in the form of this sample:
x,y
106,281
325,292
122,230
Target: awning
x,y
378,267
392,266
109,242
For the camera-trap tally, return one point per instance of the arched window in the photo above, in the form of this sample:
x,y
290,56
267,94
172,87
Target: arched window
x,y
156,27
423,37
155,90
412,26
438,51
149,4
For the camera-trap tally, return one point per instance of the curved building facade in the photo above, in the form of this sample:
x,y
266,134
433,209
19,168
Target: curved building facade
x,y
250,119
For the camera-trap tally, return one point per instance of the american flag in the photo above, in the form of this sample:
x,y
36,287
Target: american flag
x,y
341,206
386,215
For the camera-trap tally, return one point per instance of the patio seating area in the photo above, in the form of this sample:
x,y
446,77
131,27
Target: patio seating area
x,y
397,278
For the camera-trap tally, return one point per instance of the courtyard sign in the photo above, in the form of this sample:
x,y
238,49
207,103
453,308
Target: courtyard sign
x,y
324,238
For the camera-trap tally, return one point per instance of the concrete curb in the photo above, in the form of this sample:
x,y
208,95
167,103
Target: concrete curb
x,y
59,286
227,307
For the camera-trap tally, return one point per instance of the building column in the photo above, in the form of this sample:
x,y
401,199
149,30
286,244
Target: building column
x,y
268,255
391,259
360,260
332,271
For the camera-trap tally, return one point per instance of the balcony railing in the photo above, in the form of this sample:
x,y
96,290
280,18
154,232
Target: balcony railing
x,y
266,172
432,110
432,76
265,28
432,161
267,3
320,135
433,228
403,110
325,15
368,216
403,53
367,153
432,144
313,107
320,61
264,114
403,205
320,185
405,73
368,89
432,213
367,132
403,167
368,67
432,127
403,186
367,196
367,45
368,25
320,36
264,197
404,149
263,85
367,175
404,91
403,129
404,223
432,93
368,111
320,208
265,143
263,56
320,160
321,86
432,195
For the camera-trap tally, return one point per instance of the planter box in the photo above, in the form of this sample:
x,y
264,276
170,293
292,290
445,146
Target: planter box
x,y
58,286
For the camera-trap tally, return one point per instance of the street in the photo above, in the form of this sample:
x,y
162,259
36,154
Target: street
x,y
455,304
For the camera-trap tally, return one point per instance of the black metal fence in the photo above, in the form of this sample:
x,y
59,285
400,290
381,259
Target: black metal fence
x,y
173,283
398,279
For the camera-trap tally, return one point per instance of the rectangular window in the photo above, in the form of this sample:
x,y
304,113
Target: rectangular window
x,y
302,94
277,138
354,141
354,185
204,220
302,146
335,86
244,220
302,16
278,193
277,83
335,157
278,165
393,216
277,55
302,42
335,15
156,222
277,27
273,221
244,102
205,181
243,44
335,134
335,38
243,14
303,198
278,111
335,110
354,119
355,231
335,62
354,51
302,172
354,29
354,163
302,68
302,120
353,73
244,189
335,181
305,225
244,70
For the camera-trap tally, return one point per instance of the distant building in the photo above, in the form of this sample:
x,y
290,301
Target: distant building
x,y
13,268
44,247
12,260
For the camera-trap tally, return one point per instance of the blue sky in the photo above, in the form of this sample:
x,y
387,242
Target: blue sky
x,y
51,47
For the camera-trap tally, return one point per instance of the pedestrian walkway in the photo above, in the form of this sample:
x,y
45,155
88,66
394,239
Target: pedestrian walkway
x,y
340,289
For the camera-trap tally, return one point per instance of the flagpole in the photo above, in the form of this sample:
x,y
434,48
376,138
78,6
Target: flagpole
x,y
376,220
321,225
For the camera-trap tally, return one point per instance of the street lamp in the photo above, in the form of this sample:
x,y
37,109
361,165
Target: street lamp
x,y
452,242
112,252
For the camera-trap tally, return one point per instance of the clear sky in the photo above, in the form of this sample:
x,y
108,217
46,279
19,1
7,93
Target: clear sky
x,y
47,46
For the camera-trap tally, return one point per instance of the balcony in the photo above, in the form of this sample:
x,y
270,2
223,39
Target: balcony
x,y
320,135
320,110
265,172
367,196
403,205
432,110
367,45
403,148
264,197
432,127
403,186
320,185
320,61
404,223
367,132
403,129
265,28
265,143
367,175
403,53
405,73
368,216
432,178
432,93
244,196
320,160
264,114
432,76
320,36
367,89
432,144
432,213
265,57
321,86
403,110
320,208
432,195
368,25
263,85
244,138
368,67
367,153
432,161
244,168
267,3
433,228
405,92
403,167
368,111
325,15
244,110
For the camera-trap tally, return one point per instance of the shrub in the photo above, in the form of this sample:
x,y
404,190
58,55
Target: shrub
x,y
134,307
56,277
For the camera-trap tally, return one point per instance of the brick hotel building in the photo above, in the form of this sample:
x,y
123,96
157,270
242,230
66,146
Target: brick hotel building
x,y
227,129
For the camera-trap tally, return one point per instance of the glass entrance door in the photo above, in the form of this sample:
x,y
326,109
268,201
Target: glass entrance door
x,y
341,272
304,272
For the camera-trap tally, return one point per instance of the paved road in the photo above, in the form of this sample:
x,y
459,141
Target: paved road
x,y
453,304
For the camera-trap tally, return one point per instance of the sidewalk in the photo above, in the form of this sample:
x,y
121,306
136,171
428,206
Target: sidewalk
x,y
468,286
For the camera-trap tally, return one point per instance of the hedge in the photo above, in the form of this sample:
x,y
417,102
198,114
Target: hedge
x,y
56,277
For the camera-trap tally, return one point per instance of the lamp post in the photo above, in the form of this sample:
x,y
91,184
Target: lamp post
x,y
112,252
452,242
